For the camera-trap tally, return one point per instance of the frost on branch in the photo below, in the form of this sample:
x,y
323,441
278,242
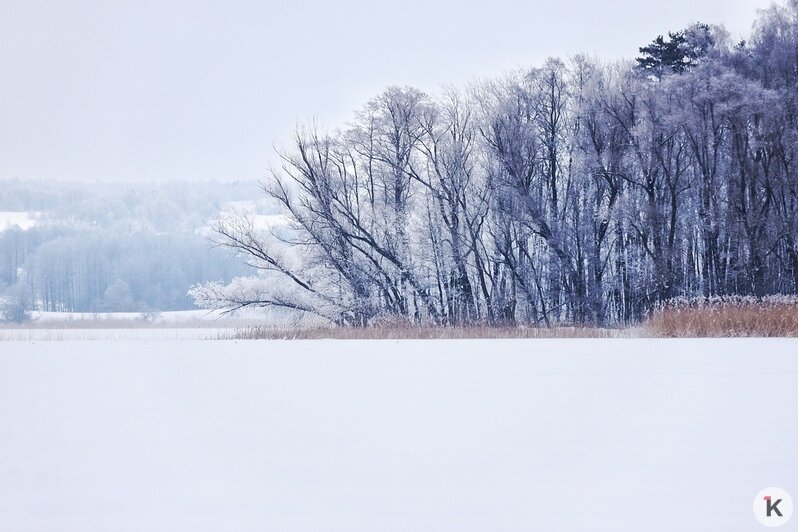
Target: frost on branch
x,y
286,278
574,193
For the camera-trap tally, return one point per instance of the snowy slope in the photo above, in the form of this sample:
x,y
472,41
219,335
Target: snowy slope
x,y
21,219
617,435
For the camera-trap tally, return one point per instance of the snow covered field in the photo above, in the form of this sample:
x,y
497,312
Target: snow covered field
x,y
121,333
171,325
21,219
617,435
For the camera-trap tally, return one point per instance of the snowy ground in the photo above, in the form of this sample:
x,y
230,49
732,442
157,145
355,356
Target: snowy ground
x,y
177,316
94,333
173,318
21,219
171,325
616,435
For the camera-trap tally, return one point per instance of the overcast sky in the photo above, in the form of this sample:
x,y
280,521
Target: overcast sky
x,y
192,89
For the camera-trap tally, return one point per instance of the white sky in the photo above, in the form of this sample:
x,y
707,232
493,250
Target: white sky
x,y
193,89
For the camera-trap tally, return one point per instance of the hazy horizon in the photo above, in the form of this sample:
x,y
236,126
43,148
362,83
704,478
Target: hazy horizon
x,y
146,91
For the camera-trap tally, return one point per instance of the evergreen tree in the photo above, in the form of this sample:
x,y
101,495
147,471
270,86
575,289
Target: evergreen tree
x,y
680,51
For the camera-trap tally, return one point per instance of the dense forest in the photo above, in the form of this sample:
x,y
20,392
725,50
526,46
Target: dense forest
x,y
576,192
95,247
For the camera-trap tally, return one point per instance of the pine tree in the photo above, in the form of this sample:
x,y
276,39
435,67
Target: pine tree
x,y
680,51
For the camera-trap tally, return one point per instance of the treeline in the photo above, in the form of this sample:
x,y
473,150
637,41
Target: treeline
x,y
156,206
577,192
98,270
111,248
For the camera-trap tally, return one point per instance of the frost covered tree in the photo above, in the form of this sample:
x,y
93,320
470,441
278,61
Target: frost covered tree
x,y
578,192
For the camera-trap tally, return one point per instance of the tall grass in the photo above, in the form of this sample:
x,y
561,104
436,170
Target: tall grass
x,y
417,333
775,316
772,316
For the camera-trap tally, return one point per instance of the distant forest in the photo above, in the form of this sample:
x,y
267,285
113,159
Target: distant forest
x,y
577,192
107,247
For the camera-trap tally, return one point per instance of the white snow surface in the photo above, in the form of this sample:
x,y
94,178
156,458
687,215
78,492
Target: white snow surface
x,y
174,317
172,325
288,436
22,219
144,333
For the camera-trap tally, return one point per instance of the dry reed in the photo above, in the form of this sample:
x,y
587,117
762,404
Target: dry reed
x,y
773,316
418,333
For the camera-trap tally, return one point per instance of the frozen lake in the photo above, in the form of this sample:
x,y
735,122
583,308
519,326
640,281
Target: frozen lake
x,y
617,435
